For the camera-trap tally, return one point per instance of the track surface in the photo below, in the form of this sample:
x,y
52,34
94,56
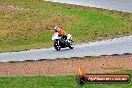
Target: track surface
x,y
108,47
120,5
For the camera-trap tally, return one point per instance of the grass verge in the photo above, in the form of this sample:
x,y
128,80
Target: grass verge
x,y
54,82
30,25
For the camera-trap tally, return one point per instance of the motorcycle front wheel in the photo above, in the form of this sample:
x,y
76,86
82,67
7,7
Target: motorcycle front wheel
x,y
71,45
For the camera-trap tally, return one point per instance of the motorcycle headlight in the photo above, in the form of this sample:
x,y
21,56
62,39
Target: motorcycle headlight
x,y
70,38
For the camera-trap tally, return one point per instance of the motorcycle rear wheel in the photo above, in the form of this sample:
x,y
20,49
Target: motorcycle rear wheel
x,y
57,46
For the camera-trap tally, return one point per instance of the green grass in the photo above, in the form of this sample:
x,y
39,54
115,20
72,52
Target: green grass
x,y
55,82
32,27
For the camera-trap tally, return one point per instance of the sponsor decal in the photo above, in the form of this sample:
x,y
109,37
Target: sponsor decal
x,y
83,78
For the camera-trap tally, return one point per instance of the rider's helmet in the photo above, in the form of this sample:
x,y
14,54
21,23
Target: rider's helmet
x,y
56,28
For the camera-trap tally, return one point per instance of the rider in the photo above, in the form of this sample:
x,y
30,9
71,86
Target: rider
x,y
60,32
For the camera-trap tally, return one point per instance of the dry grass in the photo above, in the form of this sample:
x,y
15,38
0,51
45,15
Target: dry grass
x,y
29,27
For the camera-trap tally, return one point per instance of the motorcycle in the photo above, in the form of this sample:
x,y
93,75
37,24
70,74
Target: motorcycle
x,y
60,42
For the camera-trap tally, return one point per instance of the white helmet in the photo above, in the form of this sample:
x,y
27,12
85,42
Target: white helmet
x,y
56,28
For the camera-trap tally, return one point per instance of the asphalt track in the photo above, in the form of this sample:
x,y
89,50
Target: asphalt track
x,y
119,46
119,5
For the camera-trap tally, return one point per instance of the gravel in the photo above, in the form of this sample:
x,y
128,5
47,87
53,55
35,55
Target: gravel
x,y
67,66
